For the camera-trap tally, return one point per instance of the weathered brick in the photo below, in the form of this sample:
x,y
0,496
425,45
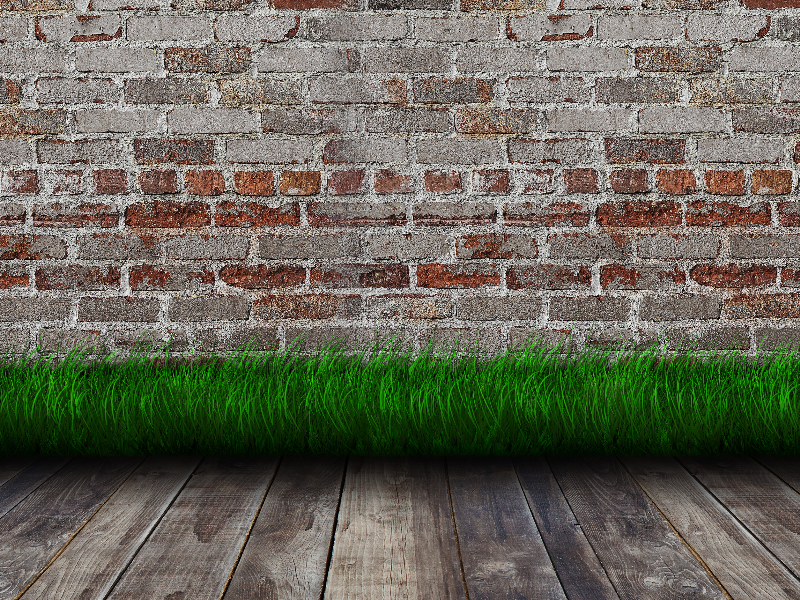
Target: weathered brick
x,y
182,121
753,150
628,181
112,121
343,27
725,183
651,151
62,90
771,58
172,278
771,182
254,183
409,4
682,119
361,276
449,213
19,182
15,152
457,29
158,182
32,247
189,5
10,91
442,182
262,276
730,91
307,306
166,91
207,247
68,28
496,120
700,213
733,276
389,181
36,60
351,214
308,4
302,247
110,181
306,60
639,90
403,120
262,28
785,28
13,29
16,122
12,277
678,59
81,215
214,308
169,27
115,60
458,151
34,309
655,213
587,59
384,150
552,215
252,214
269,151
581,181
536,181
182,152
65,182
118,246
494,246
83,151
566,151
444,276
341,183
491,181
766,120
539,28
205,183
242,92
406,60
551,277
77,277
12,213
464,90
639,27
159,213
584,119
308,121
623,277
541,90
497,60
726,28
357,90
300,183
515,5
207,60
118,309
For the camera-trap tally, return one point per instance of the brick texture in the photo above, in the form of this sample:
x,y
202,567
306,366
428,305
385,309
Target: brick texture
x,y
222,170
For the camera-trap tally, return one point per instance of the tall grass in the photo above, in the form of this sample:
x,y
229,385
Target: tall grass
x,y
520,403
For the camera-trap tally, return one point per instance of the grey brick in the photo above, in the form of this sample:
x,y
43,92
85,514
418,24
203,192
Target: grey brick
x,y
240,92
33,60
165,91
65,28
785,28
445,90
749,150
743,58
590,4
503,308
665,246
15,152
170,27
119,247
542,90
790,89
308,60
217,247
380,150
356,90
409,120
585,119
85,151
62,90
409,4
451,213
407,60
490,341
260,28
566,151
111,120
270,151
589,308
13,29
341,28
765,120
212,120
587,59
538,27
639,27
638,90
585,246
34,308
215,308
730,91
726,28
15,341
389,246
118,309
472,59
459,151
305,121
679,308
115,60
457,29
304,247
765,246
681,119
194,278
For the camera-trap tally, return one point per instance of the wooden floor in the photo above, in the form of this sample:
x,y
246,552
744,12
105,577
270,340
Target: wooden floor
x,y
191,528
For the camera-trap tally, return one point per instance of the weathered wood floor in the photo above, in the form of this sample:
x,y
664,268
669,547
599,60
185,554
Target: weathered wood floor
x,y
186,528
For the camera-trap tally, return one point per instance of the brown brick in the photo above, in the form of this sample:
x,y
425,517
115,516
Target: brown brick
x,y
205,183
110,181
463,90
726,214
491,181
82,215
158,182
252,214
628,181
254,183
725,183
389,181
10,91
442,182
262,276
733,276
771,182
457,276
653,151
11,277
341,183
19,182
160,213
362,276
66,182
207,60
300,183
156,277
676,182
691,60
305,306
17,122
638,214
581,181
182,152
772,4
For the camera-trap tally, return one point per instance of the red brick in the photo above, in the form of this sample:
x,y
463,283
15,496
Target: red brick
x,y
305,306
772,4
252,214
19,182
491,181
677,182
457,276
300,183
110,181
205,183
148,277
733,276
20,247
77,277
82,215
342,183
158,182
653,151
254,183
703,214
262,276
182,152
389,181
581,181
168,214
626,277
13,277
628,181
67,182
10,91
762,306
442,182
638,214
771,182
363,276
725,183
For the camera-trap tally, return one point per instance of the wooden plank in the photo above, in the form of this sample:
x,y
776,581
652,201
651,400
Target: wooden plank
x,y
11,465
108,542
36,529
501,549
286,554
394,534
27,481
785,467
579,570
192,551
741,564
642,556
763,503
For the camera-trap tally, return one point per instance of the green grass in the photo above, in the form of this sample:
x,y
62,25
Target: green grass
x,y
517,404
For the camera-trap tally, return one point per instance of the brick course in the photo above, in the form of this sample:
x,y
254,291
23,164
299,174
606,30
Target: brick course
x,y
223,170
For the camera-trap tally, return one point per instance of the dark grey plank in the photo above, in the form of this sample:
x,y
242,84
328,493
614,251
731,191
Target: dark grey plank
x,y
21,485
10,466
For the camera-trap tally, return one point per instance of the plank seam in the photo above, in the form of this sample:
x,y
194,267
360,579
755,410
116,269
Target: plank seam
x,y
678,535
250,529
771,472
77,531
333,530
455,529
32,490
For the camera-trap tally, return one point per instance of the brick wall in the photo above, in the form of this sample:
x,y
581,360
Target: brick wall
x,y
216,171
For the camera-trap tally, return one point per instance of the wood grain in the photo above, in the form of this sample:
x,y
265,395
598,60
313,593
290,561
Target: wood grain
x,y
192,551
38,527
394,535
103,548
501,549
20,486
742,565
11,465
287,552
581,574
642,556
786,468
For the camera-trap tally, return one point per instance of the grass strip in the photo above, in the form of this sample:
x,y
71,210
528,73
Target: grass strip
x,y
522,403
